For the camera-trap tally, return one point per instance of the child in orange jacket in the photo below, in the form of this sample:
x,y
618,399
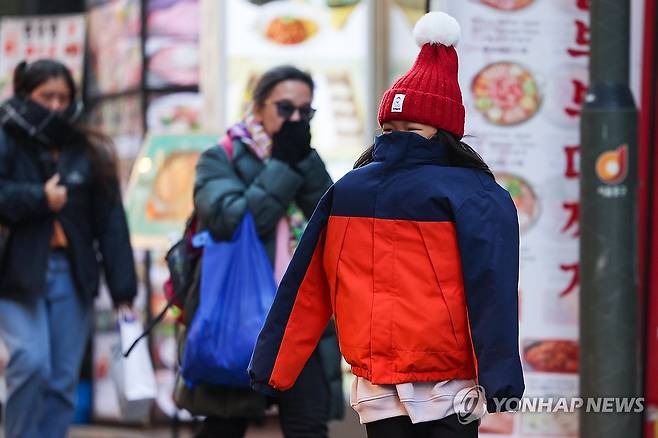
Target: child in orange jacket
x,y
416,254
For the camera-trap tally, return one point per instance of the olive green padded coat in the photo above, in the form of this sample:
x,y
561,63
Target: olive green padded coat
x,y
224,189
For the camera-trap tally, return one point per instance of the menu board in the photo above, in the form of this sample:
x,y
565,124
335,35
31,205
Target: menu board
x,y
60,37
115,34
523,72
329,39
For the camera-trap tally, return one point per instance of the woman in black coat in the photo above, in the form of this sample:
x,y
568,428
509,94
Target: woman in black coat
x,y
61,202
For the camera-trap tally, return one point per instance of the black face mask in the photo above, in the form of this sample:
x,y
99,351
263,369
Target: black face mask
x,y
48,127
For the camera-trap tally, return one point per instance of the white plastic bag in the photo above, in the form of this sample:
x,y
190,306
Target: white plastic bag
x,y
133,376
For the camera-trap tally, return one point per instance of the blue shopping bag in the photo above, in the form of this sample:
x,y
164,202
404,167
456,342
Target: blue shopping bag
x,y
237,291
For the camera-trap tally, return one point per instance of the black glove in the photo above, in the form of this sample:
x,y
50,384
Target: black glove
x,y
292,143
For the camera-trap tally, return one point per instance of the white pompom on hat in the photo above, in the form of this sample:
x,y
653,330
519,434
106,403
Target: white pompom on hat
x,y
437,28
429,92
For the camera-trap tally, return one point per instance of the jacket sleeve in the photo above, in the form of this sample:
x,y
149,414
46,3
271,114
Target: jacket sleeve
x,y
488,236
19,201
300,313
221,197
113,237
316,182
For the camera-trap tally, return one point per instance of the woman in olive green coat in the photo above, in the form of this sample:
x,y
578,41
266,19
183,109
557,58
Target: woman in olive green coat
x,y
272,171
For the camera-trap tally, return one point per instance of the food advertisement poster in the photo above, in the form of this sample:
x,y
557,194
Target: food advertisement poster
x,y
159,195
114,34
172,46
523,72
61,37
328,38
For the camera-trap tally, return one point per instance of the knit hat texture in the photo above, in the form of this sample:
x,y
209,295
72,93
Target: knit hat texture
x,y
429,93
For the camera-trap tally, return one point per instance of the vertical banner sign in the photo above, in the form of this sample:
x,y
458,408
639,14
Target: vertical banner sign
x,y
524,77
60,37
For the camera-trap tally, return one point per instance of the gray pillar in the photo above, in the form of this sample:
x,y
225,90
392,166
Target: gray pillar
x,y
609,326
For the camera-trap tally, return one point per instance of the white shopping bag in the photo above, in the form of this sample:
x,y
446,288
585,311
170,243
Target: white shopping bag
x,y
133,376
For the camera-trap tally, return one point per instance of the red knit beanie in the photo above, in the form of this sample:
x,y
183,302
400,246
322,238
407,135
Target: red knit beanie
x,y
429,93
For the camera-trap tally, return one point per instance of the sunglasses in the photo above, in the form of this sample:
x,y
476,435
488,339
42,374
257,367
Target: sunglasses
x,y
285,109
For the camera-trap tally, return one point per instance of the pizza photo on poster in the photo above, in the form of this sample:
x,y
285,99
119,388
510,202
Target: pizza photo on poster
x,y
506,93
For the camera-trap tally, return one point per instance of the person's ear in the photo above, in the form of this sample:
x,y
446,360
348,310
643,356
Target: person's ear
x,y
258,113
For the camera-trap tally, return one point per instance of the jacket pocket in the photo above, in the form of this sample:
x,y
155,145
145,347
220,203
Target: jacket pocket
x,y
447,270
348,268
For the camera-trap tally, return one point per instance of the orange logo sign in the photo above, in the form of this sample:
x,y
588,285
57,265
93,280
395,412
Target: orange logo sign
x,y
612,166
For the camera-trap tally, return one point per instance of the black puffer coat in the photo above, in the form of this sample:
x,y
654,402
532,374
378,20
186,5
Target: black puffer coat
x,y
93,220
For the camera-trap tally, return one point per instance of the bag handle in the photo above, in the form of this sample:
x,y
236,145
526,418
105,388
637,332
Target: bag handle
x,y
149,328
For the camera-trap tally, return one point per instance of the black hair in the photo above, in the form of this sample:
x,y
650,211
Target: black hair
x,y
461,154
276,75
27,77
98,146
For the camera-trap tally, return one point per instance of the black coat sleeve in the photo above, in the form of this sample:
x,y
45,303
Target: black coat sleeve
x,y
19,201
111,232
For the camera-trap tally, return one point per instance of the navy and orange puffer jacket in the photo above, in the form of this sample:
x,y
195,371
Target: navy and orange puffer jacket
x,y
418,261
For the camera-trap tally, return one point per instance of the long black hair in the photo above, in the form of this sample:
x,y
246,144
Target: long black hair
x,y
98,146
272,77
461,154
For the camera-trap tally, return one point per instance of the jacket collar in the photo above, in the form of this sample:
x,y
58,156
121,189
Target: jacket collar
x,y
409,147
